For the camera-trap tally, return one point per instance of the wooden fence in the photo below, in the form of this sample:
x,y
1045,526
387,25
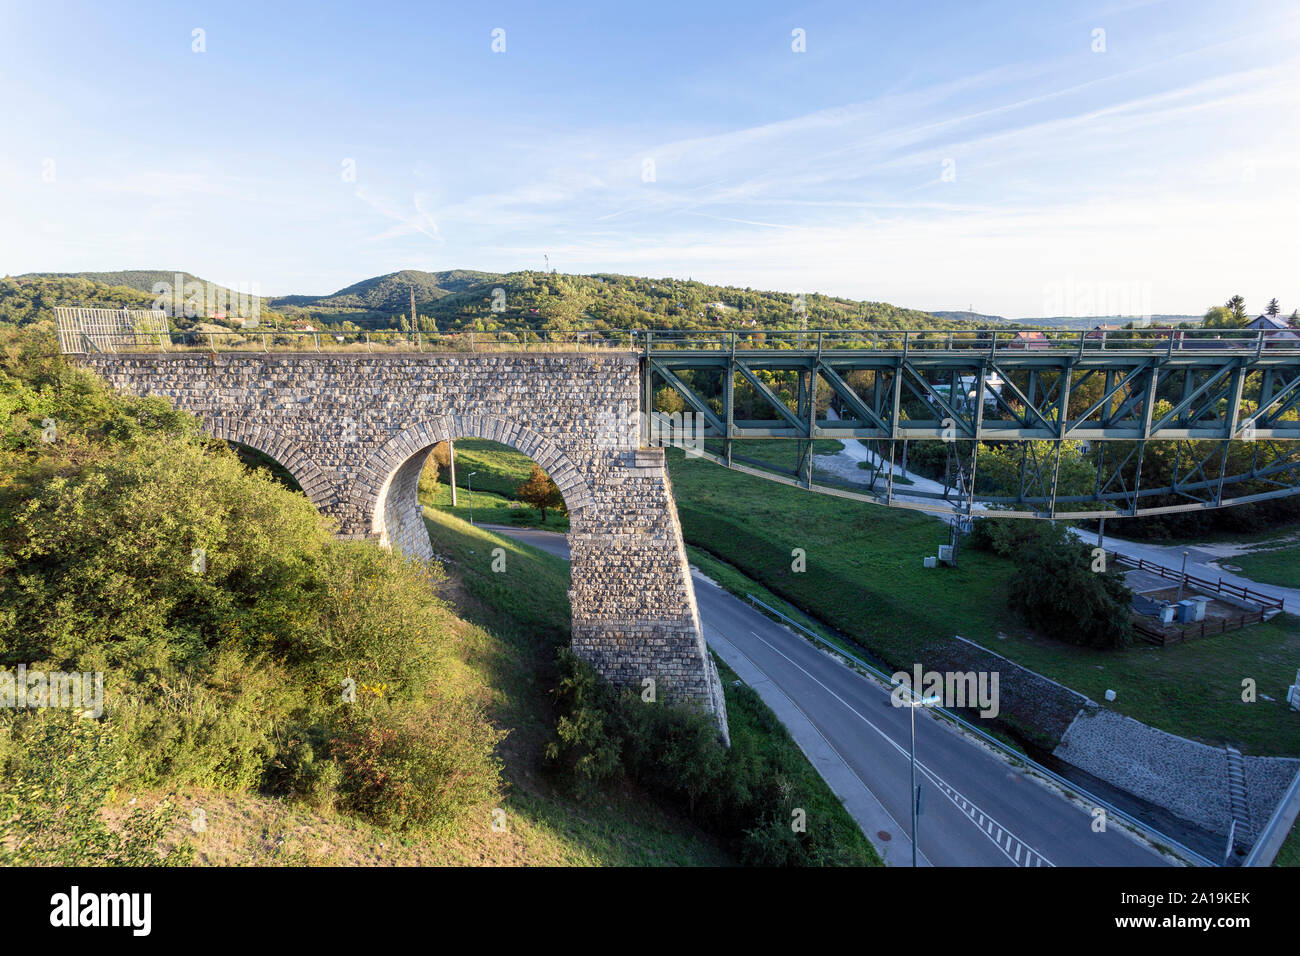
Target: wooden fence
x,y
1221,587
1162,634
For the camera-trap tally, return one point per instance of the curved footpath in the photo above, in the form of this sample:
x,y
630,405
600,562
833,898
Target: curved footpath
x,y
1201,560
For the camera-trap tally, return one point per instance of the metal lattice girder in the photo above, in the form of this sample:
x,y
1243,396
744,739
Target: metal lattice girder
x,y
1029,397
1131,405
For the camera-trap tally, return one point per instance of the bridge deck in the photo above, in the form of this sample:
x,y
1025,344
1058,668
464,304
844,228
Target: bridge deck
x,y
1217,396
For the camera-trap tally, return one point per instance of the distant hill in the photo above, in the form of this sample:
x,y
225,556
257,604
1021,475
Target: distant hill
x,y
1070,321
32,297
471,299
141,279
25,300
391,294
464,298
144,280
971,317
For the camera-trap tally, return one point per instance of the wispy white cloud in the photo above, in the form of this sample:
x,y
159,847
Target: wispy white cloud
x,y
411,220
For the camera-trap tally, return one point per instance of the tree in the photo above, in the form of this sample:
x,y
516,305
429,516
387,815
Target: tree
x,y
1273,308
1057,587
1219,317
540,492
1237,306
1294,320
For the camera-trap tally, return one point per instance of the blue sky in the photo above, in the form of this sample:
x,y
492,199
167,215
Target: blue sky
x,y
935,155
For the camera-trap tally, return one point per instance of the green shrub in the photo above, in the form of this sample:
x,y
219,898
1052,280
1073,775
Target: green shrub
x,y
59,773
414,768
222,612
302,769
743,793
588,743
1007,537
1057,592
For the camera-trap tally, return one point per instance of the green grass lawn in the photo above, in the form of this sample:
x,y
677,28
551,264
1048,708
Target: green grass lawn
x,y
1281,566
1289,854
865,578
497,471
777,454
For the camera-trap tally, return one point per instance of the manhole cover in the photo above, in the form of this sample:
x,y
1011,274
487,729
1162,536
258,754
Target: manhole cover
x,y
884,835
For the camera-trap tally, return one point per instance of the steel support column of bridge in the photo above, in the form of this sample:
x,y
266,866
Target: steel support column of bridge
x,y
972,390
355,429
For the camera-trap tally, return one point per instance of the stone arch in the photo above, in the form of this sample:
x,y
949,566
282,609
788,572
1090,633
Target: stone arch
x,y
311,479
387,487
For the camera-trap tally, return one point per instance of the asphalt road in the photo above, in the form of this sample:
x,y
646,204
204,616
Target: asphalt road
x,y
978,809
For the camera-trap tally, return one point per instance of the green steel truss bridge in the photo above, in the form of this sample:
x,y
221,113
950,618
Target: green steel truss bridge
x,y
1165,420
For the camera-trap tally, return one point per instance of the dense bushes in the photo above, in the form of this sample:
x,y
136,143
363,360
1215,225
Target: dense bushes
x,y
59,772
408,768
1055,588
228,622
749,793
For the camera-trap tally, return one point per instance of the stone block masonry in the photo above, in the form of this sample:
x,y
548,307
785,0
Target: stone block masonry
x,y
355,429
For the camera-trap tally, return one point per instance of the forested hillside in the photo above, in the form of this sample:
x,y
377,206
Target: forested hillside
x,y
471,300
466,299
29,299
142,280
391,294
186,297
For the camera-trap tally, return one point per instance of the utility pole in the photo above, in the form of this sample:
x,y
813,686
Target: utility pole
x,y
451,455
415,323
915,701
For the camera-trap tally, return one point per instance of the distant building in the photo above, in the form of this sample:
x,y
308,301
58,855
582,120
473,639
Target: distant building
x,y
1275,329
1099,331
1030,340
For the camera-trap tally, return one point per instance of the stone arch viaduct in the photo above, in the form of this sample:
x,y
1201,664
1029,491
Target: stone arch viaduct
x,y
355,429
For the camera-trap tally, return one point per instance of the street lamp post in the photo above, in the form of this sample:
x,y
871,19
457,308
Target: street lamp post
x,y
1183,579
471,496
915,795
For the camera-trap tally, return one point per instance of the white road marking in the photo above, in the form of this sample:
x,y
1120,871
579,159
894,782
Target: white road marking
x,y
948,791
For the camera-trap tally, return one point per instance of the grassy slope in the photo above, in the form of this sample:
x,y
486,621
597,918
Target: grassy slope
x,y
1289,855
528,607
518,617
506,636
864,577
